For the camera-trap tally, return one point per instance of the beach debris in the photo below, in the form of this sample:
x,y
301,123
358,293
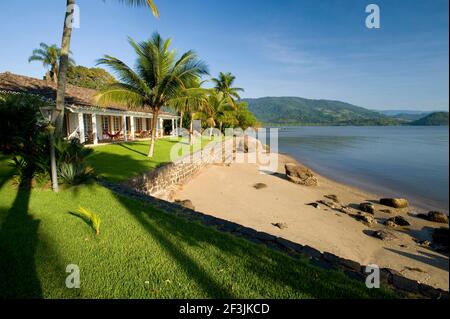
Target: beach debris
x,y
398,220
367,208
334,198
390,223
433,216
367,219
345,210
185,203
394,202
383,235
280,225
424,243
260,186
300,175
413,269
386,211
327,203
315,205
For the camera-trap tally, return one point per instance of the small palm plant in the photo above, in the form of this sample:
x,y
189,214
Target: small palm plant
x,y
90,218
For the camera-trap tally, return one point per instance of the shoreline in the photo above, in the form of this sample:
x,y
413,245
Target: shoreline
x,y
421,204
228,192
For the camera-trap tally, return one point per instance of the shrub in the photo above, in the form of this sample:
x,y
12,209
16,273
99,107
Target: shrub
x,y
90,218
75,173
71,151
20,123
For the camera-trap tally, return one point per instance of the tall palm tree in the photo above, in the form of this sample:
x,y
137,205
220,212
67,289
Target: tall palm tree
x,y
158,79
65,50
224,84
64,65
192,100
49,56
217,105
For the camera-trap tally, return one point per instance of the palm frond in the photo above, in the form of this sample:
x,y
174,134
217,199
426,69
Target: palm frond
x,y
148,3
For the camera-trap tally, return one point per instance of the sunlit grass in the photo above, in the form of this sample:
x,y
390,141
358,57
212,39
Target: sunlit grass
x,y
141,252
121,161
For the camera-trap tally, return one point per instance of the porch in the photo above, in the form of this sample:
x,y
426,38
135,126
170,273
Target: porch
x,y
95,126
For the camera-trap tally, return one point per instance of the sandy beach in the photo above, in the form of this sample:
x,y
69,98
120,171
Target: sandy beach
x,y
228,192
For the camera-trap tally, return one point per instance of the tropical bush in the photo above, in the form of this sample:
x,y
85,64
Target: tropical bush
x,y
20,123
75,173
24,135
91,78
71,151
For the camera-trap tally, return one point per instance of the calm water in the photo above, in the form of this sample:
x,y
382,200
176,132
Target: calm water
x,y
411,162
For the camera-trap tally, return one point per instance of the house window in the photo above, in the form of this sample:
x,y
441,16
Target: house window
x,y
87,120
105,124
138,124
116,123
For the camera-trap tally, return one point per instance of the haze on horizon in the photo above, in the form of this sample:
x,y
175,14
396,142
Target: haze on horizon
x,y
311,49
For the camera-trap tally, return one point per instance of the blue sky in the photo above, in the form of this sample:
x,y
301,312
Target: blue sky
x,y
313,49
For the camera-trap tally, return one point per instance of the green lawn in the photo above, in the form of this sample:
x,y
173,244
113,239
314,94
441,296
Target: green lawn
x,y
140,253
121,161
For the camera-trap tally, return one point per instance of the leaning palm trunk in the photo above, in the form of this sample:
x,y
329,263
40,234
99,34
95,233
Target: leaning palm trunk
x,y
153,138
191,132
181,119
63,65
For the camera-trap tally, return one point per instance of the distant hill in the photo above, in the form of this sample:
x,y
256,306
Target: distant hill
x,y
435,118
405,115
301,111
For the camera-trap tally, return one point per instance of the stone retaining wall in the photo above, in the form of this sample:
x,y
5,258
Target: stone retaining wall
x,y
389,278
161,179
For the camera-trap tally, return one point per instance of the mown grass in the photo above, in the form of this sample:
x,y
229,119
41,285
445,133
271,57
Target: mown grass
x,y
141,252
121,161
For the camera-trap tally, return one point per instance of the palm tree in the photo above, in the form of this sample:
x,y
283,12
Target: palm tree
x,y
193,99
224,84
65,50
49,56
159,78
217,105
64,65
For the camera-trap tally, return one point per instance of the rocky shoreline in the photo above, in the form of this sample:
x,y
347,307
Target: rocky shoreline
x,y
390,278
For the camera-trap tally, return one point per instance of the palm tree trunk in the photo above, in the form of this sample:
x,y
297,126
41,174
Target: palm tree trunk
x,y
63,65
153,139
181,119
55,73
191,131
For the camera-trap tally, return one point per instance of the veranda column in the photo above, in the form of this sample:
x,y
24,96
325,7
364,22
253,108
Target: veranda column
x,y
132,127
173,127
161,127
124,127
81,127
94,128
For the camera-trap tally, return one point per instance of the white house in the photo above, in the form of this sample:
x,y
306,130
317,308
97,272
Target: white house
x,y
87,121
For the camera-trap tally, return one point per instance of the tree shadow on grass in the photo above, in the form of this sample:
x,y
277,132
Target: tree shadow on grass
x,y
119,168
268,268
131,149
18,241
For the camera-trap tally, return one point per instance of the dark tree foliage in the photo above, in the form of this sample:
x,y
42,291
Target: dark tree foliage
x,y
90,78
